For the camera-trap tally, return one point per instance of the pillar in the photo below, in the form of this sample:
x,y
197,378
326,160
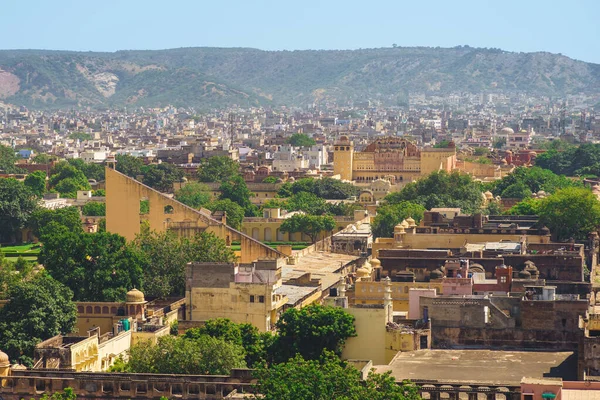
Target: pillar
x,y
472,396
491,396
434,395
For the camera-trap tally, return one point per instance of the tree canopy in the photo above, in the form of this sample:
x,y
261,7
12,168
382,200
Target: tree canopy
x,y
94,209
45,221
312,330
327,378
38,309
17,202
442,189
218,169
326,188
129,165
301,140
161,176
7,160
193,194
36,182
570,160
311,225
68,179
203,355
96,266
235,213
523,181
237,191
390,215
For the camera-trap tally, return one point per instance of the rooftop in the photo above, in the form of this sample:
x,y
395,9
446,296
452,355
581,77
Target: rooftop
x,y
484,366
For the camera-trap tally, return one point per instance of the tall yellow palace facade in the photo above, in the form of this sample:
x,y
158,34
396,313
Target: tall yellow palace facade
x,y
389,157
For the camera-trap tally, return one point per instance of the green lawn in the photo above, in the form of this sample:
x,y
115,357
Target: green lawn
x,y
30,250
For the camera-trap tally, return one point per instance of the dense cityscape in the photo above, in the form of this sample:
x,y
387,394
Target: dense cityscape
x,y
260,200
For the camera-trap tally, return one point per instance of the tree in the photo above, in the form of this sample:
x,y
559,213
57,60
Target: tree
x,y
527,206
36,182
162,176
308,202
444,144
310,225
204,355
67,179
193,194
312,330
269,179
17,202
390,215
326,188
442,189
499,143
570,213
327,378
44,221
37,310
237,191
218,169
13,273
255,343
67,394
167,255
535,179
129,165
301,140
235,213
94,209
7,160
90,170
41,158
96,266
518,190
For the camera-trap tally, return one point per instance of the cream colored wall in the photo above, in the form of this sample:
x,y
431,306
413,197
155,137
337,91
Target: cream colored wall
x,y
367,292
369,344
152,337
397,340
85,323
110,350
343,161
84,355
234,303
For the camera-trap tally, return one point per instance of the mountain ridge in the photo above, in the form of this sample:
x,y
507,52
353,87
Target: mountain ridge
x,y
210,77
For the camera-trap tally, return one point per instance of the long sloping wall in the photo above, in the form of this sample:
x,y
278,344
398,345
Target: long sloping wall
x,y
123,196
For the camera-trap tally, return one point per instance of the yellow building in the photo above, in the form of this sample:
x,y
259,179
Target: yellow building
x,y
244,293
391,158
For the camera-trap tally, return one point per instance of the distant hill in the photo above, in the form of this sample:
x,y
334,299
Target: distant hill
x,y
214,77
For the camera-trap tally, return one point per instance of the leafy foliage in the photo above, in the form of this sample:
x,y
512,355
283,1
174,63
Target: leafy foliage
x,y
38,309
193,194
255,343
129,165
90,170
301,140
17,202
202,355
311,225
68,179
237,191
534,179
571,160
96,266
36,182
269,179
12,273
7,160
390,215
235,213
94,209
218,169
525,207
562,213
167,254
44,221
325,379
161,176
326,188
312,330
441,189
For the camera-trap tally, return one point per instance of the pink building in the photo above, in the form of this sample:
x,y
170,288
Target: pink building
x,y
557,389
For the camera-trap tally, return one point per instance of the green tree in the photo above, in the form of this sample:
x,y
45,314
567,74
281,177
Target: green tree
x,y
204,355
7,160
67,394
80,136
96,266
90,170
94,209
67,179
528,206
301,140
237,191
36,182
218,169
535,179
442,189
129,165
444,144
563,212
235,213
44,221
325,379
41,158
13,273
17,202
308,202
255,343
38,309
390,215
499,143
326,188
518,190
312,330
162,176
310,225
269,179
167,254
193,194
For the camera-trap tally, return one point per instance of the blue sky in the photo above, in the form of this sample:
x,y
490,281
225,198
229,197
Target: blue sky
x,y
567,27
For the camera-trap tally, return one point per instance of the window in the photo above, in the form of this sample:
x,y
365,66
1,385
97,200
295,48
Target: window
x,y
502,279
261,299
251,298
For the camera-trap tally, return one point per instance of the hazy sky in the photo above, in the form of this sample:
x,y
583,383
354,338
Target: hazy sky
x,y
568,27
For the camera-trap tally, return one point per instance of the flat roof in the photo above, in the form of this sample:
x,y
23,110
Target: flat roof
x,y
322,265
481,366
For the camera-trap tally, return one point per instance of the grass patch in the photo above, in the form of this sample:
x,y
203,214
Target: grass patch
x,y
29,251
